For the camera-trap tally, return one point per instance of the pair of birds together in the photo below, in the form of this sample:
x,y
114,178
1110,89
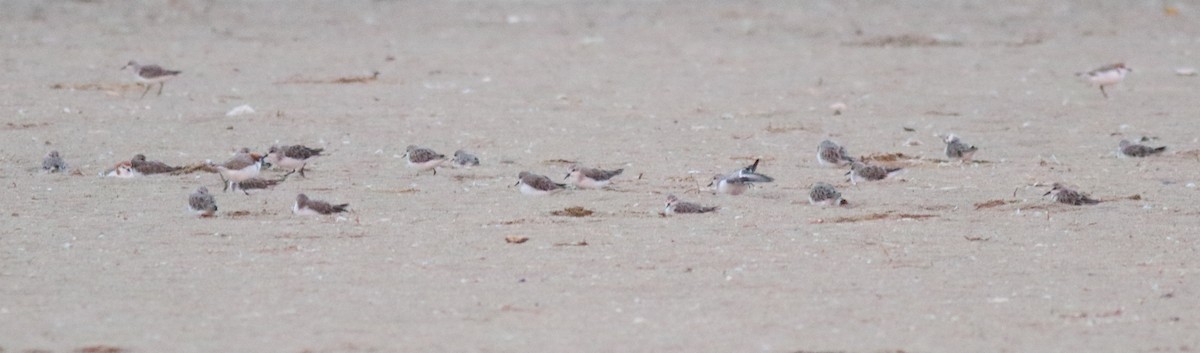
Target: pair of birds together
x,y
203,204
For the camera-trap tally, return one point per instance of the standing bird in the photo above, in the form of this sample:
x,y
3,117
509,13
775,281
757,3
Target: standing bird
x,y
242,166
53,163
465,159
1106,76
956,149
294,157
148,75
202,203
254,183
591,178
1130,149
740,180
534,184
824,194
423,158
829,153
675,205
309,207
1062,194
145,167
866,172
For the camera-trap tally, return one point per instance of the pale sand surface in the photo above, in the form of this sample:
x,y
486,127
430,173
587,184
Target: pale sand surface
x,y
671,91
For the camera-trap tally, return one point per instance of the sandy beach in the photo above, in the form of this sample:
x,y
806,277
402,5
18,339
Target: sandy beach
x,y
946,257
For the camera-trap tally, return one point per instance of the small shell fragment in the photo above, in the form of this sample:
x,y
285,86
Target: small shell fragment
x,y
515,239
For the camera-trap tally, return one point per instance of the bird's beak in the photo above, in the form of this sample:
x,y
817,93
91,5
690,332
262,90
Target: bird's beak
x,y
710,184
123,67
1048,193
568,176
518,183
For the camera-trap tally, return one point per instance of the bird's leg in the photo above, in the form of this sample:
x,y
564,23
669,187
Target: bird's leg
x,y
302,169
144,92
160,87
1103,92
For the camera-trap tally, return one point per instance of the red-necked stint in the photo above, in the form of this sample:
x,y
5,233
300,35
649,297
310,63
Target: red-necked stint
x,y
535,184
53,163
675,205
292,157
122,170
1130,149
202,203
243,165
145,167
866,172
829,153
1062,194
1106,76
465,159
956,149
824,194
423,158
740,180
309,207
149,75
254,183
591,178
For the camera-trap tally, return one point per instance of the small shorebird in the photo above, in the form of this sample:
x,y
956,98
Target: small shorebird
x,y
254,183
675,205
309,207
740,180
243,165
145,167
122,170
1106,76
53,163
957,149
830,153
1062,194
534,184
824,194
202,203
465,159
293,157
423,158
148,75
865,172
1130,149
591,178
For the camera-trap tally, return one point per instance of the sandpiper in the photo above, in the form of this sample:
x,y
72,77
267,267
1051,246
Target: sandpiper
x,y
1061,193
1106,76
423,158
956,149
243,165
145,167
254,183
202,203
866,172
740,180
149,75
534,184
824,194
122,170
53,163
309,207
675,205
591,178
465,159
830,153
1130,149
293,157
